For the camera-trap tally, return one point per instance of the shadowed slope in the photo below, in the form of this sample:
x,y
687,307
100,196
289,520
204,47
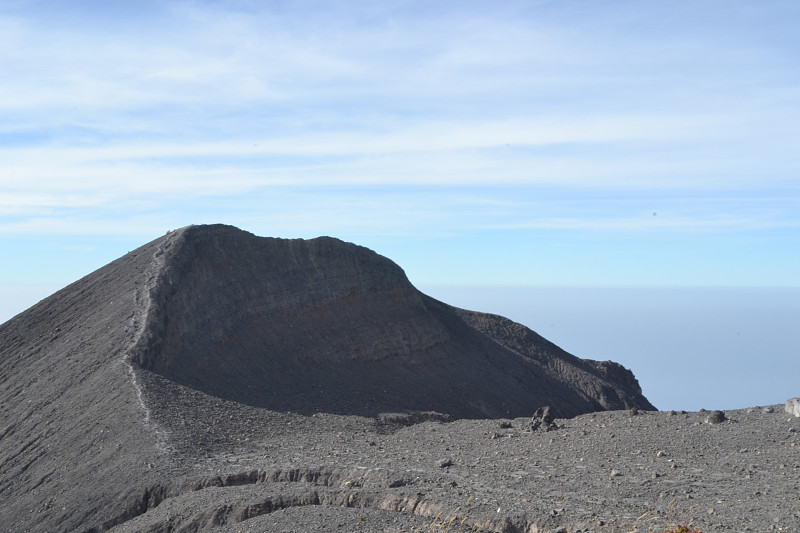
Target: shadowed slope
x,y
327,326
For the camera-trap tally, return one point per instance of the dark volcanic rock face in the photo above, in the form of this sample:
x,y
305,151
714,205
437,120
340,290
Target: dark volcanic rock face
x,y
327,326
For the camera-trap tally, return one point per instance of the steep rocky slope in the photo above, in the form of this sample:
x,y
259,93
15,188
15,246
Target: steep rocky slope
x,y
327,326
74,436
201,342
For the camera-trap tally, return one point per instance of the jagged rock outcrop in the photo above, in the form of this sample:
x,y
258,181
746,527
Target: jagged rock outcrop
x,y
100,381
793,406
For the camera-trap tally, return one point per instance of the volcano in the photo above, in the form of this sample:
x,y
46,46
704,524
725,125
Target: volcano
x,y
103,382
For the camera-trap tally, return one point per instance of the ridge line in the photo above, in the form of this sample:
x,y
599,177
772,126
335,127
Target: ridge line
x,y
143,301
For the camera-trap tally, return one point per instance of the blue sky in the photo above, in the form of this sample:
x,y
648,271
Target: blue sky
x,y
536,143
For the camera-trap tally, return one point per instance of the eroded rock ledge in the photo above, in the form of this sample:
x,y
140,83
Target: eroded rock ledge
x,y
359,488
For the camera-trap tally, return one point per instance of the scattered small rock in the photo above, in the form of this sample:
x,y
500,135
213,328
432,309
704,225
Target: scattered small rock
x,y
634,411
444,463
716,417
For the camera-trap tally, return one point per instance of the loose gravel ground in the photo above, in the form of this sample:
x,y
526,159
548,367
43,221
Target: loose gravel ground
x,y
607,471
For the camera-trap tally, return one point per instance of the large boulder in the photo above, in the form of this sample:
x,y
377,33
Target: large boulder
x,y
793,406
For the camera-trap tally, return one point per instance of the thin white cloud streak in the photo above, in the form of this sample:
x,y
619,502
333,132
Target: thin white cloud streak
x,y
106,171
98,223
648,224
430,136
358,213
283,212
23,203
104,183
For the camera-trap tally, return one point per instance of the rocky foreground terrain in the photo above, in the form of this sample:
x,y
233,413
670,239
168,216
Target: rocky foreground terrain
x,y
212,380
607,471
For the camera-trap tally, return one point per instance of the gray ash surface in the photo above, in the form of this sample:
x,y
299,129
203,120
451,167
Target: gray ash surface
x,y
606,471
